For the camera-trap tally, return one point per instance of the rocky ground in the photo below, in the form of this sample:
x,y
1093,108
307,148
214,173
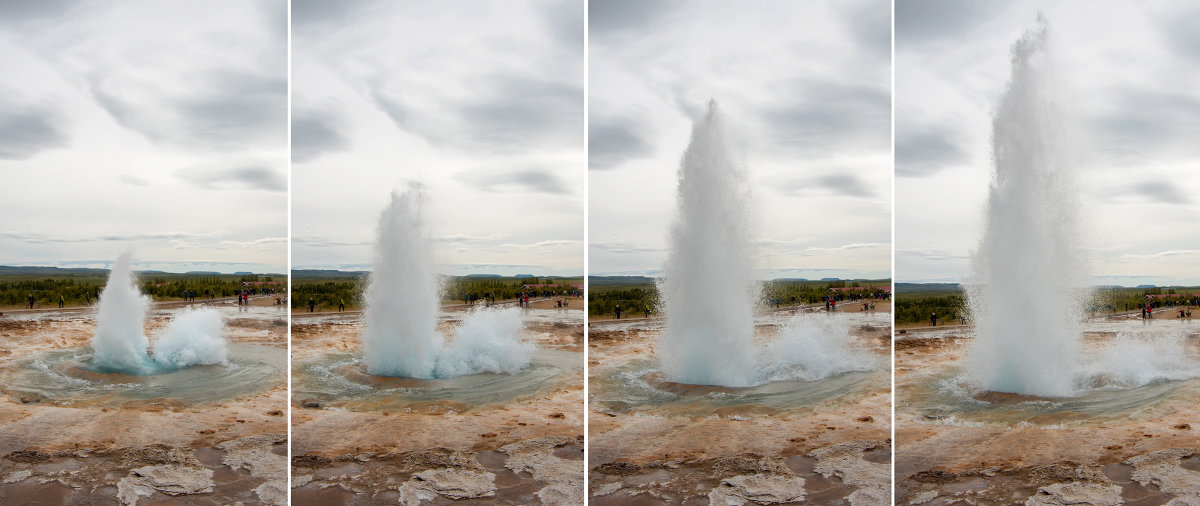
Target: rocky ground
x,y
1149,456
529,451
836,453
146,452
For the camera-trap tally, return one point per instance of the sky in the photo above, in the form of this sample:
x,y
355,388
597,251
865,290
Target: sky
x,y
1130,70
806,90
159,126
481,103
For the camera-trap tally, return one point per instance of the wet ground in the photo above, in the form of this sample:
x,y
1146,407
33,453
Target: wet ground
x,y
824,442
102,445
1108,446
521,445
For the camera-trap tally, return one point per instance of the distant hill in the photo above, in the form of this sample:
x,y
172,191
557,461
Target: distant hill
x,y
483,276
829,279
1146,286
8,270
33,270
619,280
914,288
325,274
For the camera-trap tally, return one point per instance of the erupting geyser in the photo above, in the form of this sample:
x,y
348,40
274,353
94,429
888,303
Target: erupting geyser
x,y
119,342
1029,271
401,337
709,290
193,337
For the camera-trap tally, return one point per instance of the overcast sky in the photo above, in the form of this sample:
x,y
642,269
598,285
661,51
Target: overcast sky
x,y
156,125
480,101
1131,69
805,88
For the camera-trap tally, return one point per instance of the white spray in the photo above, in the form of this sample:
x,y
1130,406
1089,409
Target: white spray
x,y
400,336
193,337
1029,270
708,289
120,341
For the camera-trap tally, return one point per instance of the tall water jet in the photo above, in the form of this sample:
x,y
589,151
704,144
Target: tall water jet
x,y
400,336
120,342
1028,273
708,290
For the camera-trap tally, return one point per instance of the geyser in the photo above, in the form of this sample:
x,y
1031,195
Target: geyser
x,y
119,342
193,337
709,290
1026,289
400,336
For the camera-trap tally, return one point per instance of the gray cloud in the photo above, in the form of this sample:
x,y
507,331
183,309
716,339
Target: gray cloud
x,y
541,180
27,129
14,12
1179,28
843,183
924,150
513,113
564,20
333,13
1158,192
315,133
225,108
831,115
624,247
41,238
870,23
322,242
1144,123
250,177
132,180
613,141
615,18
923,21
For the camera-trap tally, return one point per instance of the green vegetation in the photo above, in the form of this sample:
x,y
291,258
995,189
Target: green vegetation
x,y
638,296
915,302
326,290
160,286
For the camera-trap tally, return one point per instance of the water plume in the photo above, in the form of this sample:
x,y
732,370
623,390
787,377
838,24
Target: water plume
x,y
1029,270
400,336
120,341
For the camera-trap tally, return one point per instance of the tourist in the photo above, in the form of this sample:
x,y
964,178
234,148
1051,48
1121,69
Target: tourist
x,y
312,303
31,301
933,319
60,301
341,305
618,311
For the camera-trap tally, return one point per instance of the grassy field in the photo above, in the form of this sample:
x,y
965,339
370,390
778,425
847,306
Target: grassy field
x,y
638,296
328,289
76,285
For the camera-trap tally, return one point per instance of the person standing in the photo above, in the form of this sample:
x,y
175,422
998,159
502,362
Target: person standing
x,y
312,304
31,301
933,319
61,301
618,311
341,305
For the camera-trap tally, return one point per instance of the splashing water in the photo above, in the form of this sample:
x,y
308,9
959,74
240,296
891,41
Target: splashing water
x,y
193,337
400,336
1028,271
120,342
709,289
